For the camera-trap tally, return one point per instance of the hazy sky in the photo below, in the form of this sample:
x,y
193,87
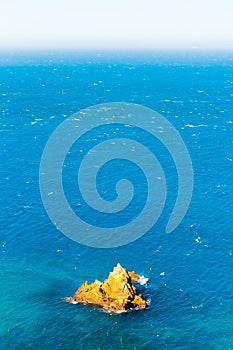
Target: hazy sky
x,y
109,23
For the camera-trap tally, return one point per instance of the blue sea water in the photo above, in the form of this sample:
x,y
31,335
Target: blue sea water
x,y
190,270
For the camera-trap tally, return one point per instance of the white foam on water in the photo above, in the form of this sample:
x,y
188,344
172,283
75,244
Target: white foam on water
x,y
195,126
143,280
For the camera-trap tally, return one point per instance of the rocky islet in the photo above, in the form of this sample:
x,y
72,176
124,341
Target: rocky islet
x,y
116,294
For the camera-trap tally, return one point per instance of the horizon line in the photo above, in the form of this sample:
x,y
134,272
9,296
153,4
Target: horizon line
x,y
118,45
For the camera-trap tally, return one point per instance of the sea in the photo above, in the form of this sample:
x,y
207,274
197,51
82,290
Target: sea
x,y
190,289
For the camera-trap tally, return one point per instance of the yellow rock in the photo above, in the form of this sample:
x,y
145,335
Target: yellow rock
x,y
135,278
116,293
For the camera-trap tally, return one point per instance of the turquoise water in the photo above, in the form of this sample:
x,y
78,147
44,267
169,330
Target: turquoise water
x,y
190,270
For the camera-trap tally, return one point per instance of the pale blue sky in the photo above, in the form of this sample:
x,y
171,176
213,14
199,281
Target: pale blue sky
x,y
121,23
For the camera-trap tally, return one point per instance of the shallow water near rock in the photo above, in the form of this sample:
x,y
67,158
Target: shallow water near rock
x,y
190,270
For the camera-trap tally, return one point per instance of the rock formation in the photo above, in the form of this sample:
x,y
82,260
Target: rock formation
x,y
115,294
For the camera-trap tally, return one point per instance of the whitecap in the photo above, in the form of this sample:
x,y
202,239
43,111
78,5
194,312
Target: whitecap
x,y
194,126
143,280
197,306
198,240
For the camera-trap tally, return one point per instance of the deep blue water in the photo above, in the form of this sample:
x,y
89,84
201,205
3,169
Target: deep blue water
x,y
192,301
